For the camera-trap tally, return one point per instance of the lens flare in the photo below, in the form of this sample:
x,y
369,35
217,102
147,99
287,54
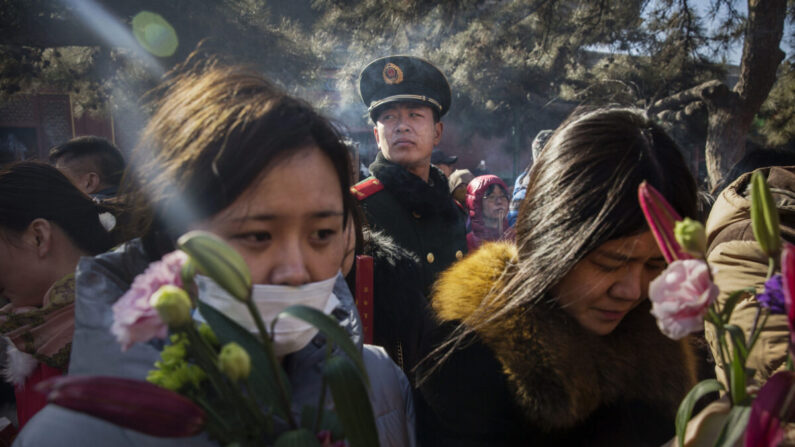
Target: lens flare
x,y
155,34
112,32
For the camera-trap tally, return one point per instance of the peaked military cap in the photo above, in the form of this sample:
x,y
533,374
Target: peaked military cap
x,y
403,78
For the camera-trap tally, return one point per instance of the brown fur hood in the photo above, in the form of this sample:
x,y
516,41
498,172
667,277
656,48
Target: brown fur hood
x,y
560,373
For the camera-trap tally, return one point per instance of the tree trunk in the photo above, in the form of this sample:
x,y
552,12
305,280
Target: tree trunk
x,y
732,112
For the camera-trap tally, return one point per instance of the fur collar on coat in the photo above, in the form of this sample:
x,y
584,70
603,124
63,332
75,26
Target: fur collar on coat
x,y
559,373
428,199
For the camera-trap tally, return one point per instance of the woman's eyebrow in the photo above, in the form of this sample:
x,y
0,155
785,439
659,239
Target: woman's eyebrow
x,y
266,217
324,214
618,256
614,255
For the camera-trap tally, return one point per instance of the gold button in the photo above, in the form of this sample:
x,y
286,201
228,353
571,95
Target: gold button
x,y
415,214
459,254
430,258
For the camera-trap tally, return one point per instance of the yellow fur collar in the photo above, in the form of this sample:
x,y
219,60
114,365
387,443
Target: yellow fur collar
x,y
459,291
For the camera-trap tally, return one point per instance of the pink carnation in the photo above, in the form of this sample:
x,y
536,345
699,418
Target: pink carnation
x,y
134,320
680,297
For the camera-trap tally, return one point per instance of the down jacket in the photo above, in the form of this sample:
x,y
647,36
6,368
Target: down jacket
x,y
103,279
739,263
538,378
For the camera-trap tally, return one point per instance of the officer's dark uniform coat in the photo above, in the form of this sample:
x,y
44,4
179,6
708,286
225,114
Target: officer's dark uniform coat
x,y
421,217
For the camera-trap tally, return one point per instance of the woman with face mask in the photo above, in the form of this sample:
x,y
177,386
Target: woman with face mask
x,y
549,341
46,225
229,153
487,200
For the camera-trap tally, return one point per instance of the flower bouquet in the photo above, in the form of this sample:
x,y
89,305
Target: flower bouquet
x,y
684,296
219,376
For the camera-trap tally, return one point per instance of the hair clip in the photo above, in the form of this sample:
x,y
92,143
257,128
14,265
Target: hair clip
x,y
107,220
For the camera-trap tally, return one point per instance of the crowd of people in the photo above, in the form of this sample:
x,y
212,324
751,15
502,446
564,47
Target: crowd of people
x,y
502,315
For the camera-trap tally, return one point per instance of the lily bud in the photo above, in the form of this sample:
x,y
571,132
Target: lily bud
x,y
234,362
216,259
187,273
691,236
127,403
764,216
661,216
173,305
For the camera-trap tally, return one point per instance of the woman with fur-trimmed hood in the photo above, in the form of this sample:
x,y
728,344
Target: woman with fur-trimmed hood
x,y
549,341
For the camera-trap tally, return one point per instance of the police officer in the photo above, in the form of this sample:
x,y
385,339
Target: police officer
x,y
406,196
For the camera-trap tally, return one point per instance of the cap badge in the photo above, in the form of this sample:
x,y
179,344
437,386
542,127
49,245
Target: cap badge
x,y
392,74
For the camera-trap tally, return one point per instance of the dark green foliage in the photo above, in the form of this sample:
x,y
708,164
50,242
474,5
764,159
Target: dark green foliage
x,y
515,67
776,119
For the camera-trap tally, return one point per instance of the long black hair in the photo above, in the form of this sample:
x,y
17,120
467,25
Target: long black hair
x,y
582,192
31,190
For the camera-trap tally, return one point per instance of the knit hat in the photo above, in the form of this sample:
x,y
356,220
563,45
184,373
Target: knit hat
x,y
460,177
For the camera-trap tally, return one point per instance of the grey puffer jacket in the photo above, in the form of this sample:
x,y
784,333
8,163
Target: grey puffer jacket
x,y
103,279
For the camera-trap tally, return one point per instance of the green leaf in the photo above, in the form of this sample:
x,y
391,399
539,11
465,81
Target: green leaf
x,y
732,301
738,341
734,427
332,330
308,413
297,438
329,421
737,376
351,402
264,385
758,331
686,407
714,318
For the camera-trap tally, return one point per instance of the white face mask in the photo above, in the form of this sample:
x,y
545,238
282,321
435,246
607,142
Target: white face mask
x,y
291,334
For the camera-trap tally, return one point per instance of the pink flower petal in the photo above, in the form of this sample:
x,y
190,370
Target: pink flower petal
x,y
661,217
680,297
134,320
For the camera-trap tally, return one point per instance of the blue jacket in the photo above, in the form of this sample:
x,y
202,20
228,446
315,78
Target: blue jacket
x,y
519,191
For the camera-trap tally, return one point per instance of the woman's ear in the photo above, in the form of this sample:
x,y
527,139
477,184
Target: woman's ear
x,y
90,182
39,233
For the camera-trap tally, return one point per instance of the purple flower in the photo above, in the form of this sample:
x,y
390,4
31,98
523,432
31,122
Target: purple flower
x,y
773,296
134,318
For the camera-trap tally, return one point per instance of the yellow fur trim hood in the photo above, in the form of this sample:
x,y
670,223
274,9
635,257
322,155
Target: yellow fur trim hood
x,y
459,290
